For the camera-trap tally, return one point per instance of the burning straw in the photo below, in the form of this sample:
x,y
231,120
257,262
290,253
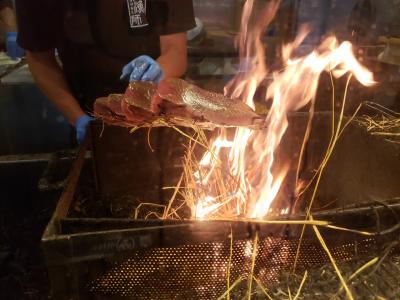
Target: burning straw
x,y
385,122
238,176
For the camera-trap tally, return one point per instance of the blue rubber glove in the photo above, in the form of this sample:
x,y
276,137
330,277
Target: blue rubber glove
x,y
143,68
13,49
81,125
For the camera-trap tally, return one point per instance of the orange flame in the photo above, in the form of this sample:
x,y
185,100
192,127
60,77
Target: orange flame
x,y
251,155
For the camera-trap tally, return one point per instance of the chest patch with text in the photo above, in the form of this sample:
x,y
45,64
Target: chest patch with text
x,y
137,13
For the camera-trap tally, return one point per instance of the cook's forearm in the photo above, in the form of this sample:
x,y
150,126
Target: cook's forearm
x,y
173,64
50,79
173,58
7,16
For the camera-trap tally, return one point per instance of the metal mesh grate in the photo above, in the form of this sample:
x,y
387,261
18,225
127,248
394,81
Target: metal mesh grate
x,y
380,281
200,271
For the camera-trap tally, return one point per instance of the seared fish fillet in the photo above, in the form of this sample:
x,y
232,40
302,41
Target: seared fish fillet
x,y
173,98
209,106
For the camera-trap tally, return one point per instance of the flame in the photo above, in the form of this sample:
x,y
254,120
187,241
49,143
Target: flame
x,y
251,158
206,206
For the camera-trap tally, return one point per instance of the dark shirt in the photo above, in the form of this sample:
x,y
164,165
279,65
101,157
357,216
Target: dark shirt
x,y
96,38
6,3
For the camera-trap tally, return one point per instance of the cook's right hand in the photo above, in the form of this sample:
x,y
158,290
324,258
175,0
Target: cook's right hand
x,y
143,68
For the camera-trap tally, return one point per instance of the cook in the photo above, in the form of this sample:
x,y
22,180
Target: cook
x,y
101,45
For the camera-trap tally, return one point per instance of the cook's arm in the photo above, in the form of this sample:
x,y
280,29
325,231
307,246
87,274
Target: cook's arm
x,y
173,58
50,79
7,16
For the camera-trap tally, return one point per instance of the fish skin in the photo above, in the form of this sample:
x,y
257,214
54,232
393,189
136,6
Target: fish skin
x,y
109,106
136,114
109,109
136,102
210,106
140,94
130,108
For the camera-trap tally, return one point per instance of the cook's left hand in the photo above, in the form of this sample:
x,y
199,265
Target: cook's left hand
x,y
143,68
13,49
81,126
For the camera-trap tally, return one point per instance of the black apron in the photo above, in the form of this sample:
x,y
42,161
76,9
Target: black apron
x,y
100,38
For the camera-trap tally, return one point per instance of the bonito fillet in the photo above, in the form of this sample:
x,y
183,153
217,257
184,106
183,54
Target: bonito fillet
x,y
144,102
212,107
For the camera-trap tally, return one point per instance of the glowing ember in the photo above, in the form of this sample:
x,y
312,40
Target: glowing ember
x,y
251,186
248,250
